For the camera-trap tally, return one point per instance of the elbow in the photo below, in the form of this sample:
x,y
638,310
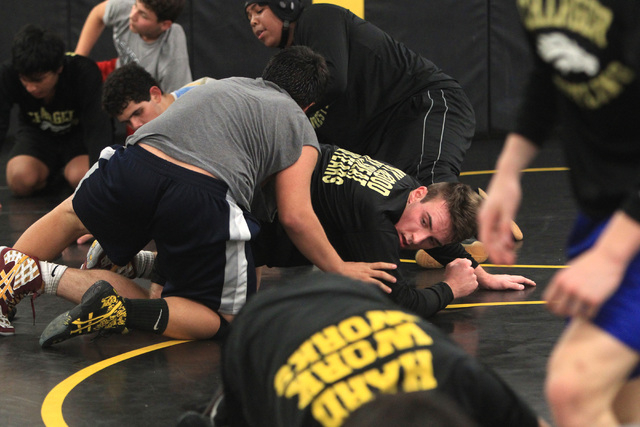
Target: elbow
x,y
292,222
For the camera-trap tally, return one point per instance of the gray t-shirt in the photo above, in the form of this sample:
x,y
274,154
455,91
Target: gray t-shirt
x,y
166,59
241,130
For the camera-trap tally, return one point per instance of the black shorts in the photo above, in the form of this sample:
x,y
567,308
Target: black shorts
x,y
55,151
132,197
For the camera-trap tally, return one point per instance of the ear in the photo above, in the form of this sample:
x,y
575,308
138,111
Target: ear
x,y
165,25
418,194
155,94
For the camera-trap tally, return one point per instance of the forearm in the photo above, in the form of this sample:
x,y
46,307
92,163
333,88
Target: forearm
x,y
91,30
424,302
306,232
52,233
516,155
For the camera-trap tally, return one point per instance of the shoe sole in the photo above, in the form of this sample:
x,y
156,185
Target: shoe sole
x,y
424,260
477,251
59,329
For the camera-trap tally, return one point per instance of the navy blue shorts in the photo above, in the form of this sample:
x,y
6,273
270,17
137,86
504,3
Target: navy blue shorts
x,y
131,197
619,315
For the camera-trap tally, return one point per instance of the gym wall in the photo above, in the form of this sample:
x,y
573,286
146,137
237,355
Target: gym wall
x,y
478,42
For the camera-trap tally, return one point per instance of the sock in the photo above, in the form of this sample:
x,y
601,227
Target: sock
x,y
143,263
51,274
147,314
223,330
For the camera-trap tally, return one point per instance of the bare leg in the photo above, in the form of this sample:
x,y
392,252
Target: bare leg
x,y
74,283
26,174
155,291
586,371
626,405
76,169
191,320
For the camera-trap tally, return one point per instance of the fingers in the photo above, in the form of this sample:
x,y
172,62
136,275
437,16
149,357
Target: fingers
x,y
382,266
383,287
495,232
382,275
568,304
522,281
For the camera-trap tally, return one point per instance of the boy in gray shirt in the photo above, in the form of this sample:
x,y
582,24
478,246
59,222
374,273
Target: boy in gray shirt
x,y
145,33
234,135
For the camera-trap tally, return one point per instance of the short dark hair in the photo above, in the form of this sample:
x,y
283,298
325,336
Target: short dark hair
x,y
129,83
165,9
36,51
463,204
300,71
428,408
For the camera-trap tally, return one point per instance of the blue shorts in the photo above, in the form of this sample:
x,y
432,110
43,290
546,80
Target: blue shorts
x,y
620,314
131,197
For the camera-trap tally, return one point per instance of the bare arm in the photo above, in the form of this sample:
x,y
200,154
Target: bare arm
x,y
91,30
296,215
592,277
499,209
51,234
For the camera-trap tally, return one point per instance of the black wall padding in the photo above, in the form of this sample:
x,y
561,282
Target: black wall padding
x,y
478,42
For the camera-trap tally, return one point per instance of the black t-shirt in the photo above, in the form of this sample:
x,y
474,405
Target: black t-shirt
x,y
358,201
371,73
75,107
586,83
310,352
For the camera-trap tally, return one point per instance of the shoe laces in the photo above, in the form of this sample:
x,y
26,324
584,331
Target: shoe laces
x,y
15,299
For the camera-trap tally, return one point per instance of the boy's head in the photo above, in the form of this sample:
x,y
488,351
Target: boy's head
x,y
410,409
286,11
271,20
438,215
150,18
301,72
132,95
37,56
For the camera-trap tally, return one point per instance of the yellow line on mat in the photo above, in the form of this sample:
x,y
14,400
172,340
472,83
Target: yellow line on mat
x,y
488,304
52,406
487,172
413,261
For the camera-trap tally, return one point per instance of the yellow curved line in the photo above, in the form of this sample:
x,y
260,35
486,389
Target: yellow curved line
x,y
488,172
489,304
51,411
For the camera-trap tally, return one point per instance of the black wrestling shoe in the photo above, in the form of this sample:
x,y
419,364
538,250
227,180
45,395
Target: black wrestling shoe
x,y
101,310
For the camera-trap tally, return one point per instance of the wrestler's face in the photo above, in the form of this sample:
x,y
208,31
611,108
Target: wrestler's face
x,y
424,225
144,21
136,114
41,85
266,26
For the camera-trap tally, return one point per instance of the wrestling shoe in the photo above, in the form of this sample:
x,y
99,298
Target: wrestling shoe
x,y
101,310
98,259
19,277
140,267
474,247
515,230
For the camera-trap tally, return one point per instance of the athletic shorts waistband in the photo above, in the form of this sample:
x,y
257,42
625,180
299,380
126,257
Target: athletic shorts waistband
x,y
164,167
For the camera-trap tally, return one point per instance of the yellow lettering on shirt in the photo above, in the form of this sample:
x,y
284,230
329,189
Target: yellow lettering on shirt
x,y
345,365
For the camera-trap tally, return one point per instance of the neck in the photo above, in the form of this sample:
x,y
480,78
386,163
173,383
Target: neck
x,y
167,99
